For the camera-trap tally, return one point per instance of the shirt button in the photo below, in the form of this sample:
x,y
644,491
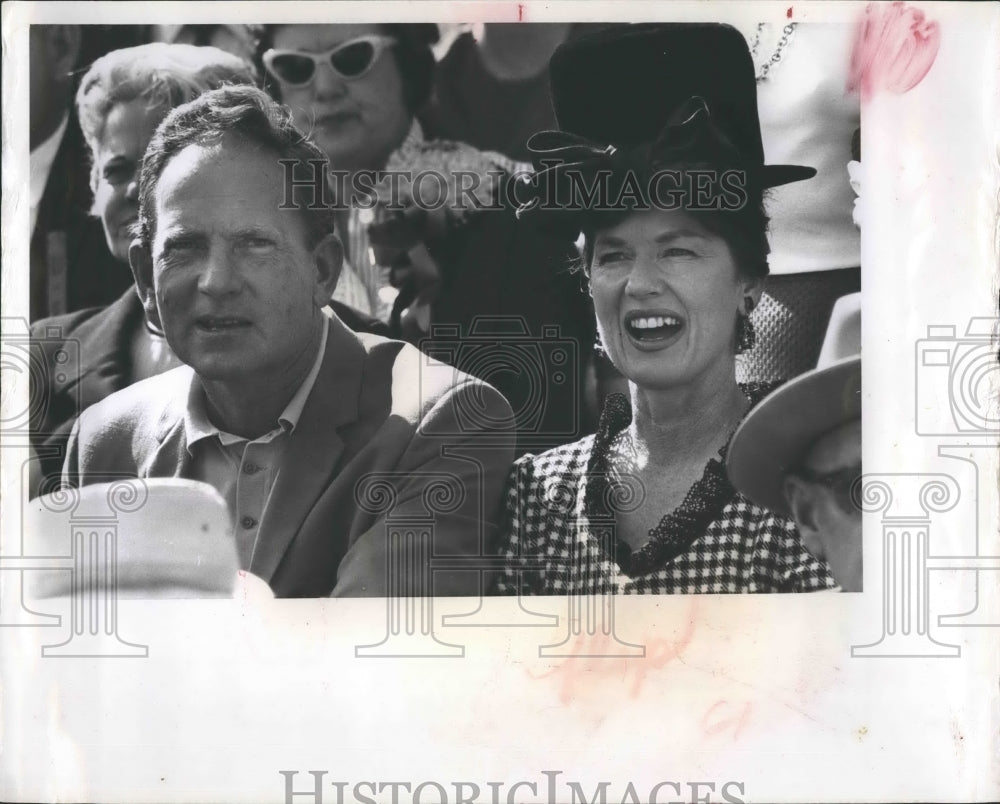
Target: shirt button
x,y
251,468
248,522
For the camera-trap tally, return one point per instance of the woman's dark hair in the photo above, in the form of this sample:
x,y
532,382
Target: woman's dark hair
x,y
412,50
744,230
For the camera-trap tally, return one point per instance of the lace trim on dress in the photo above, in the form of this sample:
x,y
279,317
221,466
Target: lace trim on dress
x,y
676,530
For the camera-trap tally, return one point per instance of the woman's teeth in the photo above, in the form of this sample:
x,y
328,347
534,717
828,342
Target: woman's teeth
x,y
654,322
653,327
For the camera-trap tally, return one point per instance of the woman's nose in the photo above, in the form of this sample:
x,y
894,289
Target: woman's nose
x,y
644,280
327,83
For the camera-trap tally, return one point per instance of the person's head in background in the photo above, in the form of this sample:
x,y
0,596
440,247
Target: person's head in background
x,y
235,39
53,51
234,277
818,491
121,101
353,88
799,450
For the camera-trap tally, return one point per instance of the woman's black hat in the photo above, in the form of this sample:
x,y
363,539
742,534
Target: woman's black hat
x,y
660,95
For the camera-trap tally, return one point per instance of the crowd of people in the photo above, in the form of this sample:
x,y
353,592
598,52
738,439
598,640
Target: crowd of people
x,y
572,332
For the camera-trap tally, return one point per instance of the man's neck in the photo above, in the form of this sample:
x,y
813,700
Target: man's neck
x,y
251,408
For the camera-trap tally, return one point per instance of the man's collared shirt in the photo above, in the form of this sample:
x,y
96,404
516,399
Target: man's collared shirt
x,y
40,163
244,471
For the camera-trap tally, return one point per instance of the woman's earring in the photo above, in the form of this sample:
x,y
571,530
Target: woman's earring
x,y
746,335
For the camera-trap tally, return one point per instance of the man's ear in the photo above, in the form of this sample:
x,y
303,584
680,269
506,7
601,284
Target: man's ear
x,y
141,262
802,502
328,257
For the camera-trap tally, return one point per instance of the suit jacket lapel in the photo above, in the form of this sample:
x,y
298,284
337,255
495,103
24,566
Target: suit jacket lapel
x,y
313,448
105,341
170,457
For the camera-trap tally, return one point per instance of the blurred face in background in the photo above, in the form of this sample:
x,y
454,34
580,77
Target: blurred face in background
x,y
52,51
357,114
117,162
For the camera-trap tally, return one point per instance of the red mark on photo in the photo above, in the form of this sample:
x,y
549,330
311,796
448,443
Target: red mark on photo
x,y
593,664
725,716
894,48
520,12
789,12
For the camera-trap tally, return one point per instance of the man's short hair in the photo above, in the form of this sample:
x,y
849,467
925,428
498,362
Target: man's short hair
x,y
163,75
247,113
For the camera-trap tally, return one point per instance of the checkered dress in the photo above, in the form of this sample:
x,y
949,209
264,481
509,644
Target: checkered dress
x,y
559,539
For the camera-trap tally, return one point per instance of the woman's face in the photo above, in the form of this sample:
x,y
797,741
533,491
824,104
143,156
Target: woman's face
x,y
356,122
666,293
118,154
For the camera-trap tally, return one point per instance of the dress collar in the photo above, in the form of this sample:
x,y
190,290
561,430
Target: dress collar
x,y
677,530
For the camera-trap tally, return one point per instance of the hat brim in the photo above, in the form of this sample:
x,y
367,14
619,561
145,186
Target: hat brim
x,y
773,437
567,222
777,175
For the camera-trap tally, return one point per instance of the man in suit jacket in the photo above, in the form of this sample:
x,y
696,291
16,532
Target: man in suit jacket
x,y
71,266
320,440
99,342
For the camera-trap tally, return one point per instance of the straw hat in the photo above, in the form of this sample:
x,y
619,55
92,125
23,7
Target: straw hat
x,y
776,434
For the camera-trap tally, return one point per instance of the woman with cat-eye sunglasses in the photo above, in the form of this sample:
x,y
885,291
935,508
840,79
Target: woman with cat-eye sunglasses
x,y
349,60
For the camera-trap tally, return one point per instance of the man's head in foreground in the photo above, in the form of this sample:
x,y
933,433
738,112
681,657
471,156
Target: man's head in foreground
x,y
818,493
799,451
236,282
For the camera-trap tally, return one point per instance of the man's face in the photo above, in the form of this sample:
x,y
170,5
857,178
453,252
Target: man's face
x,y
820,499
238,288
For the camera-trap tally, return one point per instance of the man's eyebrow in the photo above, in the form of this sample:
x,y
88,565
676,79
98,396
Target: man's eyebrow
x,y
256,231
173,237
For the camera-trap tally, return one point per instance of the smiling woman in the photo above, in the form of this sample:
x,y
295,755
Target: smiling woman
x,y
644,505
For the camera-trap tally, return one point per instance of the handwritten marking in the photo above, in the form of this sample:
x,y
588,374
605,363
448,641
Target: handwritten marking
x,y
894,48
586,665
724,715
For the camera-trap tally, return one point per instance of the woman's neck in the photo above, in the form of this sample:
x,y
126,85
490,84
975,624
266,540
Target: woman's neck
x,y
677,424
